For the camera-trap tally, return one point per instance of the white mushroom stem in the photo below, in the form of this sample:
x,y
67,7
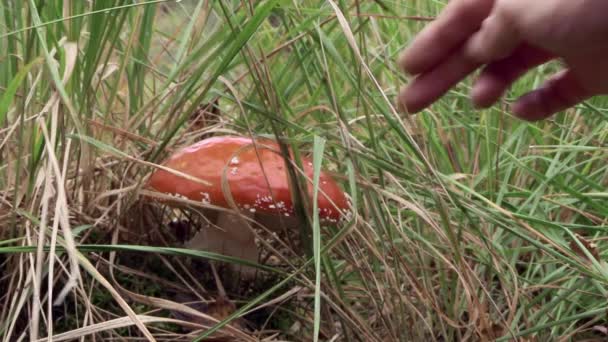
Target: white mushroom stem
x,y
277,223
232,236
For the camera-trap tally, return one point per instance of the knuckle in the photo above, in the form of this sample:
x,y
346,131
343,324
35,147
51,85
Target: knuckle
x,y
473,11
507,12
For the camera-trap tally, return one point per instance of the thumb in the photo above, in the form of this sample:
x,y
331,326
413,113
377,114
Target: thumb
x,y
496,39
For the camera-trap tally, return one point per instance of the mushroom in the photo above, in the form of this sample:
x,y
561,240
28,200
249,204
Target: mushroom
x,y
246,176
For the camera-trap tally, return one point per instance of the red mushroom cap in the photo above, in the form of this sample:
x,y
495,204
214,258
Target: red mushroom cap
x,y
256,184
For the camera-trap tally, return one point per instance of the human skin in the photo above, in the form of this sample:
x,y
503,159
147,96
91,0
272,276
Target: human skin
x,y
505,39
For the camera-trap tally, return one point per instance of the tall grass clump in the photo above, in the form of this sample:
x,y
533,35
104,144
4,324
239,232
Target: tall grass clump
x,y
468,225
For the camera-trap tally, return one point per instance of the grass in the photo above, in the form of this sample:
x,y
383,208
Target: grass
x,y
468,225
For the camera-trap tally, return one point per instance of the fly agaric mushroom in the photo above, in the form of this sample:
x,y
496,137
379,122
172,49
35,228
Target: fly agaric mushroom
x,y
255,181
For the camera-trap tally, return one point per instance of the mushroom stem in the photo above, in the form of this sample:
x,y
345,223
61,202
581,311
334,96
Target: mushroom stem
x,y
230,236
276,223
282,224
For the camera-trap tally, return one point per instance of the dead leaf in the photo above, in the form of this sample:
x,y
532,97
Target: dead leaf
x,y
589,246
601,329
220,309
204,116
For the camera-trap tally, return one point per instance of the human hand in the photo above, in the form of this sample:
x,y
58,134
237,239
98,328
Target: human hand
x,y
507,38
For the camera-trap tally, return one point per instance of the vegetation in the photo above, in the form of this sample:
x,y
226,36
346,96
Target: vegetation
x,y
469,225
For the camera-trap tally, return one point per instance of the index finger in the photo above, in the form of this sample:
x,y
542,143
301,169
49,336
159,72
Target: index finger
x,y
456,23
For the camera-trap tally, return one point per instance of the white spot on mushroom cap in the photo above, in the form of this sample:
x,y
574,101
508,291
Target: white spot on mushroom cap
x,y
348,215
234,161
234,170
176,195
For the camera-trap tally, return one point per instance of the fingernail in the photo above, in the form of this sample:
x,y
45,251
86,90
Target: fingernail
x,y
401,101
529,107
477,96
402,62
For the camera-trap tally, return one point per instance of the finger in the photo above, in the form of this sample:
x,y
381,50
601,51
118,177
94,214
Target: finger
x,y
496,39
497,76
438,40
561,92
428,87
